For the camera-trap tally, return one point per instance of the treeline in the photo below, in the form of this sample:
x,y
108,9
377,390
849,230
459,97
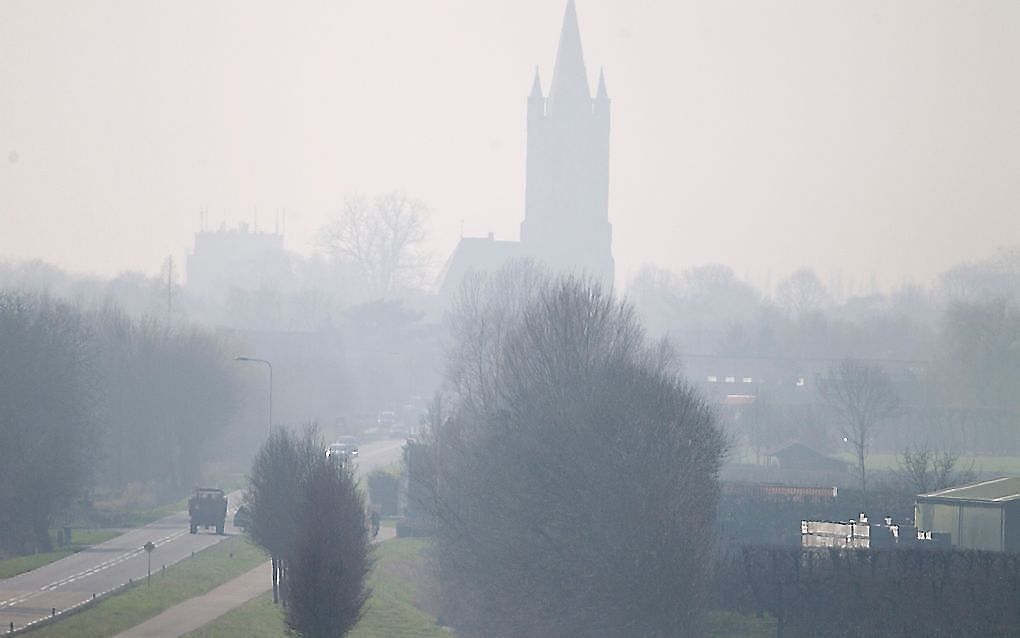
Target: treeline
x,y
93,398
874,592
948,349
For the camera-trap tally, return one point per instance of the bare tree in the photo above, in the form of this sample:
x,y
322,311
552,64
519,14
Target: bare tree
x,y
862,396
382,240
923,470
576,480
802,293
330,560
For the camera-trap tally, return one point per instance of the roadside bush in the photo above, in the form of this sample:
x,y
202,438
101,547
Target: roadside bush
x,y
382,491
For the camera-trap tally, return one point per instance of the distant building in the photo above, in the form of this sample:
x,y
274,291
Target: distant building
x,y
798,456
862,534
984,515
566,210
238,259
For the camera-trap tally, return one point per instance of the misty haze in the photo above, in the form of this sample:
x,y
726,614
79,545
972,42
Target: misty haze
x,y
581,318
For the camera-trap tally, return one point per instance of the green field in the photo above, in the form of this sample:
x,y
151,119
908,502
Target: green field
x,y
82,539
396,580
982,464
191,577
399,584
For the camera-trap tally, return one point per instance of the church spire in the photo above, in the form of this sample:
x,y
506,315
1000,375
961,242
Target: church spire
x,y
570,77
536,86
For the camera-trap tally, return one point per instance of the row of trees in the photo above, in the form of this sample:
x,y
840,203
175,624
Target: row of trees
x,y
308,514
95,398
572,484
947,355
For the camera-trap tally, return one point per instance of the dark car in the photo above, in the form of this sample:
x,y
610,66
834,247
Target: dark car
x,y
241,518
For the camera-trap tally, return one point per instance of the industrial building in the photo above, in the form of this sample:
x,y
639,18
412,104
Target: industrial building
x,y
984,515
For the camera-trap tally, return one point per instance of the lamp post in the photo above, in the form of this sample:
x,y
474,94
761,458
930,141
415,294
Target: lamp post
x,y
270,366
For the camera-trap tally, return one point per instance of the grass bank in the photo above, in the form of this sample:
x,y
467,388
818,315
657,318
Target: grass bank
x,y
398,583
401,589
82,539
191,577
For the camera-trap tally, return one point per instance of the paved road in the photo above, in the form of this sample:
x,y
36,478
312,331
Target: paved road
x,y
72,581
201,610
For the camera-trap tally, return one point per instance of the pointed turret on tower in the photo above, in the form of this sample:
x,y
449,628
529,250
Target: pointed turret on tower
x,y
536,101
566,218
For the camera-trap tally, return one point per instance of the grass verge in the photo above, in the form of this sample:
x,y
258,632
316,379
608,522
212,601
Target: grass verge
x,y
390,612
397,582
82,539
192,577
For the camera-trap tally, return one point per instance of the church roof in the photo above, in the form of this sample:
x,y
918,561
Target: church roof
x,y
570,77
475,254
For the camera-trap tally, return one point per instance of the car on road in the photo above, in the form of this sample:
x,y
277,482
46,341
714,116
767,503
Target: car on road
x,y
241,518
339,450
351,443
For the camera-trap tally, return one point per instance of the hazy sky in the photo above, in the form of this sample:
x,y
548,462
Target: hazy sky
x,y
866,137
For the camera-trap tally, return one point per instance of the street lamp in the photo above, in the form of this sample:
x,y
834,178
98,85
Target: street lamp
x,y
270,366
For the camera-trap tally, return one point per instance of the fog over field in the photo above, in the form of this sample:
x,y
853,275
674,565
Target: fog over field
x,y
867,138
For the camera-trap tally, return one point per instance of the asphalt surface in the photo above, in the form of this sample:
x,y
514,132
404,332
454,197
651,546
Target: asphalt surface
x,y
72,581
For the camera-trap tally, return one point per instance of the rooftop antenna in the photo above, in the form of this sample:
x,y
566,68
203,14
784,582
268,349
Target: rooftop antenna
x,y
255,224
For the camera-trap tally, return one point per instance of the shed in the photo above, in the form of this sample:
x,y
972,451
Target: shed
x,y
795,455
983,515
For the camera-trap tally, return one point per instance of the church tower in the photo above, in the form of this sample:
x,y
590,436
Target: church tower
x,y
566,210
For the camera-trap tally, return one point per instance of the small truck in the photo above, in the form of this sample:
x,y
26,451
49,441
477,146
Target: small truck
x,y
207,508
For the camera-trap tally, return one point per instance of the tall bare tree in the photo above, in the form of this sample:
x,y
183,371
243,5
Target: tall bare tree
x,y
576,476
862,396
382,240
